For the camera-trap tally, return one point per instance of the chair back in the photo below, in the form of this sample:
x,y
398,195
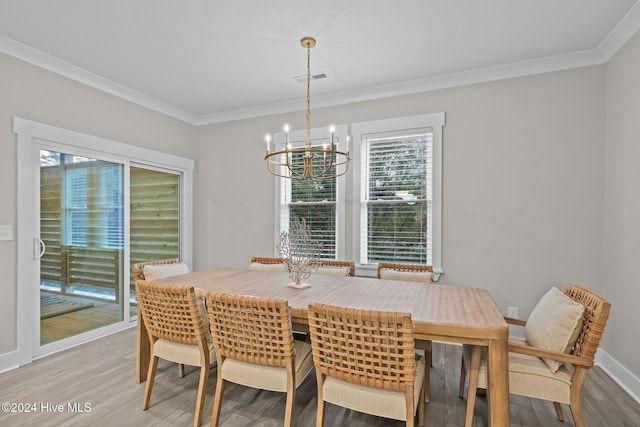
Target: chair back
x,y
370,348
266,260
351,265
414,268
138,268
170,312
596,313
250,329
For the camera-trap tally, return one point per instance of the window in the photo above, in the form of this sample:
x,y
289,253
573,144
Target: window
x,y
395,223
397,207
395,177
92,199
320,203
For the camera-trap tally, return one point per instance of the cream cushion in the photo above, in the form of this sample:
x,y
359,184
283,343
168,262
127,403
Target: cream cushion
x,y
529,376
268,267
336,271
188,354
371,400
160,271
411,276
271,378
554,324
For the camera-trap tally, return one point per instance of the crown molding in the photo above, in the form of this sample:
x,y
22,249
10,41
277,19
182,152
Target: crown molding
x,y
66,69
480,75
625,29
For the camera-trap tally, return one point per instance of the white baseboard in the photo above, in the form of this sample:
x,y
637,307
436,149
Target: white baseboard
x,y
9,361
621,375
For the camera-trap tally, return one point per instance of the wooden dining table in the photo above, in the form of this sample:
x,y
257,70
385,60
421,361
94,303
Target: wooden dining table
x,y
446,313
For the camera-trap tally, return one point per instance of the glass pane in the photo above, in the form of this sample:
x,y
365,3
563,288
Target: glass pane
x,y
397,232
81,224
398,197
155,218
321,219
398,169
314,200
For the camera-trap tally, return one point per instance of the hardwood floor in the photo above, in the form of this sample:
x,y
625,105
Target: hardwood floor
x,y
100,374
102,313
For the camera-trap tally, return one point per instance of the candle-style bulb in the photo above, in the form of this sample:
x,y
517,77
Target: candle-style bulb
x,y
286,133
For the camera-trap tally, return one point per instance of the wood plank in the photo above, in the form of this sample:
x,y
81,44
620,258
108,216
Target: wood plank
x,y
100,373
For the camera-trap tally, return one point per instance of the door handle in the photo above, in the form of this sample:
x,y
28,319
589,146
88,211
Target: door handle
x,y
39,248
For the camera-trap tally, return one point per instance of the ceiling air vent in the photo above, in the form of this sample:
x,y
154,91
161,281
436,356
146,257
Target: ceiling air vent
x,y
318,76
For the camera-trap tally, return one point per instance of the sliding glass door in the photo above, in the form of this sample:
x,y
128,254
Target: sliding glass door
x,y
89,207
82,230
82,234
154,218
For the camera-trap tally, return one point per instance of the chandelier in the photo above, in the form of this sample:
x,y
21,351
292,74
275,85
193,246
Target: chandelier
x,y
308,162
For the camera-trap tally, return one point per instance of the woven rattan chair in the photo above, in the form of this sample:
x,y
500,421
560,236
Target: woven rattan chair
x,y
528,373
138,274
177,327
366,361
255,347
138,268
267,263
409,272
341,268
413,273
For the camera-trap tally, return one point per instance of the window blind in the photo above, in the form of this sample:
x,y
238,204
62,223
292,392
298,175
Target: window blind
x,y
396,214
315,201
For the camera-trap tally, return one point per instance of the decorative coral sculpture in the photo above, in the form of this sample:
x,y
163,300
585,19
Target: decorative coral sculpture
x,y
299,252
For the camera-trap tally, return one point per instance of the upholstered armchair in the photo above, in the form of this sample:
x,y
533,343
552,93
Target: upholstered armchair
x,y
562,335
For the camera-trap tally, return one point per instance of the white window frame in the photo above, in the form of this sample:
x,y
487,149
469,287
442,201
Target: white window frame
x,y
297,139
435,121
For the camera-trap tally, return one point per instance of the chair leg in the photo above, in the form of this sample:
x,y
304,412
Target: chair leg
x,y
427,377
559,413
463,378
151,376
320,397
421,400
474,371
202,388
181,370
576,410
217,402
288,412
410,422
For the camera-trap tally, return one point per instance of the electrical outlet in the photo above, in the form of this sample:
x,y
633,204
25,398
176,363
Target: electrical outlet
x,y
512,312
6,232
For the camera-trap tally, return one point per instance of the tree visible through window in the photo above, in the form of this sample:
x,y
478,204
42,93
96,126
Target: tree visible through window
x,y
396,198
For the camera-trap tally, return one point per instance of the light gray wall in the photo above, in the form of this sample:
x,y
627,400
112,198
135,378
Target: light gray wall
x,y
36,94
621,266
522,185
524,178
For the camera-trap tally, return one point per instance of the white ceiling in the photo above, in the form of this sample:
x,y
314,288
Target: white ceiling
x,y
207,61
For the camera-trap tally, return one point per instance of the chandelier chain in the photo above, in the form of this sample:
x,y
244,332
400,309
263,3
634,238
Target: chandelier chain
x,y
308,93
308,162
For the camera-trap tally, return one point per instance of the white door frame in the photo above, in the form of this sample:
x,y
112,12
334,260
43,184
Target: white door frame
x,y
31,137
